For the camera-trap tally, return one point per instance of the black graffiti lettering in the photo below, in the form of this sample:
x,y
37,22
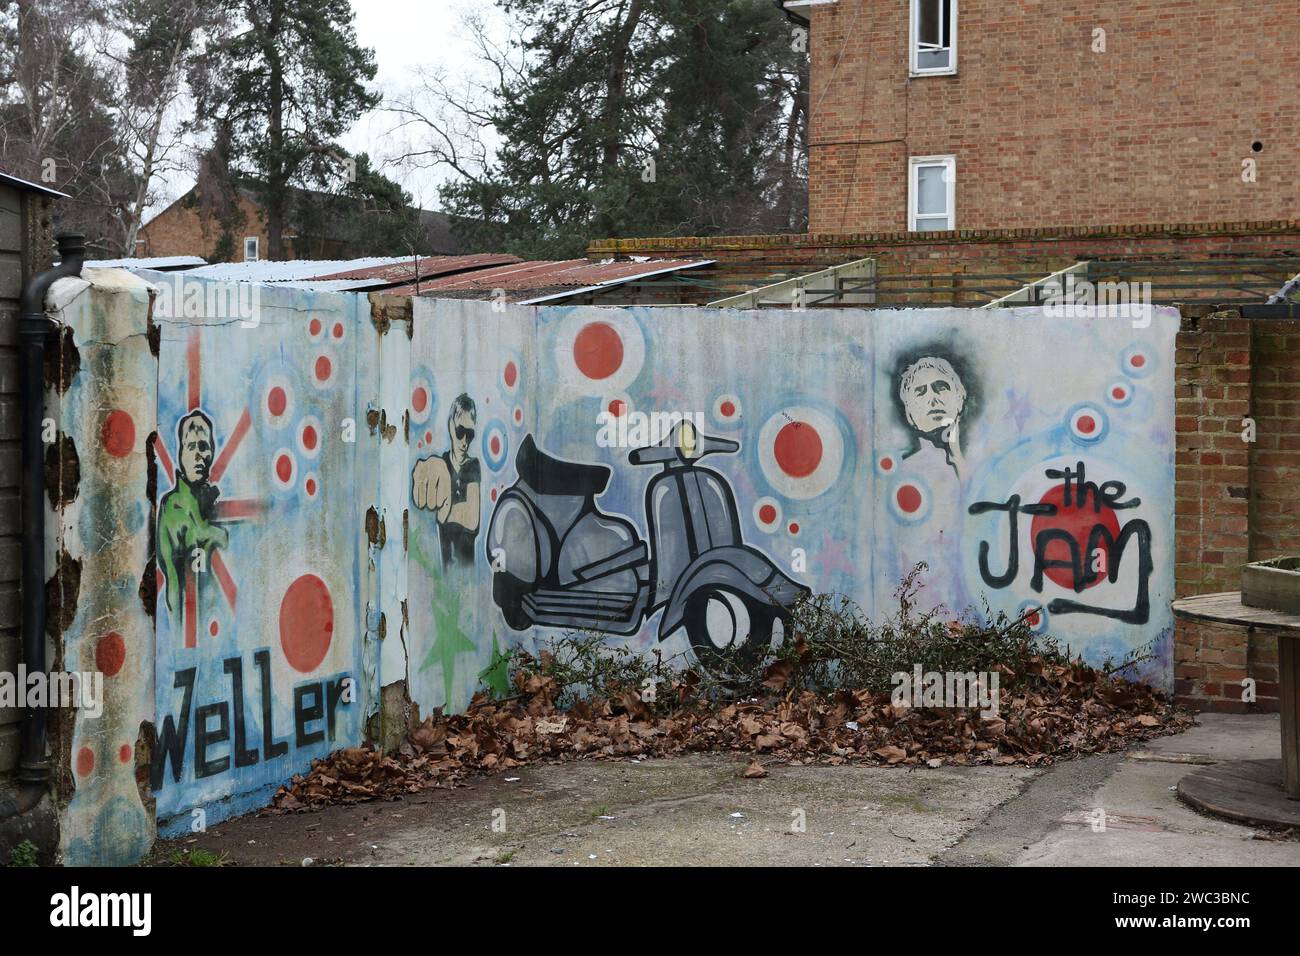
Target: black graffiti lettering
x,y
1012,507
171,742
333,694
243,756
304,714
274,748
1140,613
205,738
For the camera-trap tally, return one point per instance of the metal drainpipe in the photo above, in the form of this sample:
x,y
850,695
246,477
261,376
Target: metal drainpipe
x,y
33,768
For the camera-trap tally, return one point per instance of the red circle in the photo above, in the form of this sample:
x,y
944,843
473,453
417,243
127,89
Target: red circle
x,y
1117,393
519,415
323,368
598,350
495,445
767,514
798,449
118,433
124,753
309,438
276,401
617,407
85,762
728,409
306,623
1032,618
909,498
314,327
428,438
1086,424
311,486
886,464
1078,523
511,374
1138,361
494,494
794,527
110,653
338,330
284,467
420,400
214,628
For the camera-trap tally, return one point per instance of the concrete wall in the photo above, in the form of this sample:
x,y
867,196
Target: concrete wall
x,y
299,520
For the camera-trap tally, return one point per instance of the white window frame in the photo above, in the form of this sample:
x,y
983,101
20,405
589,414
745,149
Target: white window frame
x,y
256,249
914,48
949,165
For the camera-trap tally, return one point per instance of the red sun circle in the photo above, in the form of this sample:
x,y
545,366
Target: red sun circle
x,y
798,449
767,514
728,409
306,623
118,433
323,368
309,438
276,401
110,653
85,762
598,350
284,468
511,374
1078,524
909,498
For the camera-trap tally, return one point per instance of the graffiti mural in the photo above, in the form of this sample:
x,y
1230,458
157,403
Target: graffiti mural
x,y
259,616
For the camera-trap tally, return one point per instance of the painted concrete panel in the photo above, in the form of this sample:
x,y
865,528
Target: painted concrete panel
x,y
259,609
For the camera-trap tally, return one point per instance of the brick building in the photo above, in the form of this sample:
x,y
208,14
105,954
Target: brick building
x,y
988,114
318,226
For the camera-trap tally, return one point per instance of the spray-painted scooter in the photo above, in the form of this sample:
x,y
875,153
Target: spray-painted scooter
x,y
559,561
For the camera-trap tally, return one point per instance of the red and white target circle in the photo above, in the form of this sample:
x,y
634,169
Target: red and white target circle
x,y
322,370
767,514
277,402
517,416
284,469
887,464
316,328
310,436
801,451
311,485
421,399
337,331
726,410
1088,423
599,352
510,376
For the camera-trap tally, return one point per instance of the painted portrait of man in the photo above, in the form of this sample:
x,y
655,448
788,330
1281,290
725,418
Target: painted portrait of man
x,y
448,485
933,398
186,530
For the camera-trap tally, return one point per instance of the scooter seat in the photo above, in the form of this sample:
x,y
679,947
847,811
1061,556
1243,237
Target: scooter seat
x,y
555,476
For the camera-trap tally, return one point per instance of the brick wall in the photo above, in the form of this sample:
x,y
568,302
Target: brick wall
x,y
1046,130
179,230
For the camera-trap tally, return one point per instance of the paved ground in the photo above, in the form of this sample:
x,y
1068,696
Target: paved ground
x,y
698,810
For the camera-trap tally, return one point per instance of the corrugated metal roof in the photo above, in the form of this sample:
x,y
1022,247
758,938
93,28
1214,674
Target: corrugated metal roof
x,y
160,263
33,187
266,271
522,278
409,270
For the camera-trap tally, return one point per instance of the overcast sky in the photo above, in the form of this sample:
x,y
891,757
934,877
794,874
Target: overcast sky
x,y
405,35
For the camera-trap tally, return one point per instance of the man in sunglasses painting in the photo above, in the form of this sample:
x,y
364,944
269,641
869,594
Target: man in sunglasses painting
x,y
448,485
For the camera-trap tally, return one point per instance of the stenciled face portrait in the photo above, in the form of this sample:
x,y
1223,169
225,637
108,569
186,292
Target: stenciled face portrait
x,y
461,427
196,450
933,395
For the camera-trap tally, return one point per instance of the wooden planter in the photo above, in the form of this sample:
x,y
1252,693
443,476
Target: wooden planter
x,y
1272,584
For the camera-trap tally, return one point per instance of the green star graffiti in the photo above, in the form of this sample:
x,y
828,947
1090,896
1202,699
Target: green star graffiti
x,y
449,640
496,677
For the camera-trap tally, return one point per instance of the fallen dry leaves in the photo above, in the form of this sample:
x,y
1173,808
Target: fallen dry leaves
x,y
1069,710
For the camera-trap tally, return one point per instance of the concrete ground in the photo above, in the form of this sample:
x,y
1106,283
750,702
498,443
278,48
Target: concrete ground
x,y
699,811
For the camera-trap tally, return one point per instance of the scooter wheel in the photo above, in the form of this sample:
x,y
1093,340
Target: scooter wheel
x,y
729,632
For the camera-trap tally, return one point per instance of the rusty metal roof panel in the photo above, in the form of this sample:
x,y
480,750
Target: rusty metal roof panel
x,y
523,277
408,270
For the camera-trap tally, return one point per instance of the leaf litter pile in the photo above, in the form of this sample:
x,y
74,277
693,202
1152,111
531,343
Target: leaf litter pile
x,y
583,701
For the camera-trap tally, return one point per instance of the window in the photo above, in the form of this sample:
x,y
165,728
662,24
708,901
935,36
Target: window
x,y
250,248
932,193
934,37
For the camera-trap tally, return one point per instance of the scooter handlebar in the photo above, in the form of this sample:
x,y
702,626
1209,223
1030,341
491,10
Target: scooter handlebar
x,y
675,451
